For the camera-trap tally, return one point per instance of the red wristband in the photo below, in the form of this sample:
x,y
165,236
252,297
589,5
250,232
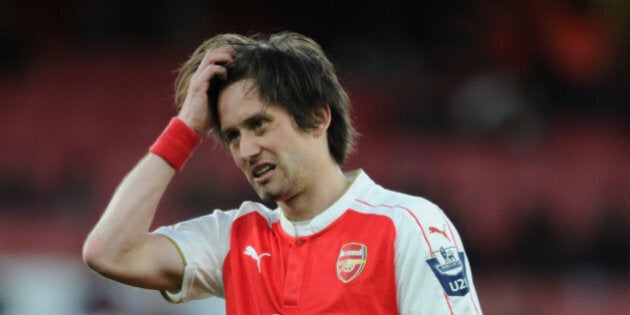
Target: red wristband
x,y
176,143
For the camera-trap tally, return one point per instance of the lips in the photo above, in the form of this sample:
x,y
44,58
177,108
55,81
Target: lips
x,y
262,171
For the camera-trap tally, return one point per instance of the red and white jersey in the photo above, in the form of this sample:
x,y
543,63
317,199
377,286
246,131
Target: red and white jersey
x,y
374,251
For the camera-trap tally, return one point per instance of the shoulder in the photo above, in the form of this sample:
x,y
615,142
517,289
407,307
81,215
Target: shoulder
x,y
413,217
220,221
371,198
400,207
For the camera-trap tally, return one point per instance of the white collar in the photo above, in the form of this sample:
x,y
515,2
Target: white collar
x,y
360,184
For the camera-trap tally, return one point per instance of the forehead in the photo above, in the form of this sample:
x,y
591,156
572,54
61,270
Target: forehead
x,y
239,101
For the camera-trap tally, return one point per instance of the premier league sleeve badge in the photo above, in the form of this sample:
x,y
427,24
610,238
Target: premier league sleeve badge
x,y
449,266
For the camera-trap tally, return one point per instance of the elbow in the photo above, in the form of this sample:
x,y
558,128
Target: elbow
x,y
96,256
90,254
105,258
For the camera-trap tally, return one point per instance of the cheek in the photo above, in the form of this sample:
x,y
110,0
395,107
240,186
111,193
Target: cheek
x,y
239,162
298,154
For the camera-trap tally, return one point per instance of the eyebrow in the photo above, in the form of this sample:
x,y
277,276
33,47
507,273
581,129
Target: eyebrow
x,y
248,122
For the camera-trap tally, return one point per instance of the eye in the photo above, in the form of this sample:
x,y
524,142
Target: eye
x,y
258,124
230,136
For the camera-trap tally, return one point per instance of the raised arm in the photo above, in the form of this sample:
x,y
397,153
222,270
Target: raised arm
x,y
120,246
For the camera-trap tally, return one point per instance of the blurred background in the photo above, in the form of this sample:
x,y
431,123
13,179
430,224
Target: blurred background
x,y
513,116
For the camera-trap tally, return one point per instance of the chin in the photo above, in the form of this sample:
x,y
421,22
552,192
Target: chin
x,y
266,196
271,196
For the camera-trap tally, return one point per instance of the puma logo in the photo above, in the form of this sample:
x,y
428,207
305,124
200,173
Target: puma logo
x,y
250,251
433,229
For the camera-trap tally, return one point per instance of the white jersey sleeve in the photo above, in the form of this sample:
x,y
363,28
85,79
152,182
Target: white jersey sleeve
x,y
432,269
203,244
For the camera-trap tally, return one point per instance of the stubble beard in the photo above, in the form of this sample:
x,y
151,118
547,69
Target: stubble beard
x,y
275,190
265,194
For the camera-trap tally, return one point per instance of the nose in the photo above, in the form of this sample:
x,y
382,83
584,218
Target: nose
x,y
248,146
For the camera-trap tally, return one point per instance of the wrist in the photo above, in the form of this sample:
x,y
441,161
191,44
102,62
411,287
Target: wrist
x,y
193,122
176,143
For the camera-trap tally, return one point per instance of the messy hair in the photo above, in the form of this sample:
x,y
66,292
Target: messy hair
x,y
289,70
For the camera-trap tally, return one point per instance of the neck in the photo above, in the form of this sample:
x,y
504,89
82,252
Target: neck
x,y
324,191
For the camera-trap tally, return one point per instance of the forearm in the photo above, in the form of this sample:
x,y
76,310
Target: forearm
x,y
120,245
125,223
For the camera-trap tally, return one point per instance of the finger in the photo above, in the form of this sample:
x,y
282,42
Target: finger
x,y
222,73
205,73
210,71
211,62
218,56
221,59
215,64
204,60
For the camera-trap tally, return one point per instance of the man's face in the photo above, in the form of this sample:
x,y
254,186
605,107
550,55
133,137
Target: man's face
x,y
265,143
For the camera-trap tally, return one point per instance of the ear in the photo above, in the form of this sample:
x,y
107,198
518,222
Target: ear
x,y
324,118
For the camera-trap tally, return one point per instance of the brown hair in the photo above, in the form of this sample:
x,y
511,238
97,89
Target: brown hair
x,y
289,70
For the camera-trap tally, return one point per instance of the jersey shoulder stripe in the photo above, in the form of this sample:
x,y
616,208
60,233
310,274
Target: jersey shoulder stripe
x,y
411,213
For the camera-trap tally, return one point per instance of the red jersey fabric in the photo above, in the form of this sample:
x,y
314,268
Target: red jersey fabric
x,y
300,275
374,251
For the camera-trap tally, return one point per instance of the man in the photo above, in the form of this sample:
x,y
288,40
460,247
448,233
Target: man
x,y
338,242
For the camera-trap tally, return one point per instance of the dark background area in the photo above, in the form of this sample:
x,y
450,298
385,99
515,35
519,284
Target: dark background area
x,y
512,116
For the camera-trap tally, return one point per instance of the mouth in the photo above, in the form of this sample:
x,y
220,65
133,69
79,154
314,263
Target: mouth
x,y
262,172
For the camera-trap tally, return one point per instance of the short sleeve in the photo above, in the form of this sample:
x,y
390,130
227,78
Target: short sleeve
x,y
203,244
432,269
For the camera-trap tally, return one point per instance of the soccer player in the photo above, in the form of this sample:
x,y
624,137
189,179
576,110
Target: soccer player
x,y
337,242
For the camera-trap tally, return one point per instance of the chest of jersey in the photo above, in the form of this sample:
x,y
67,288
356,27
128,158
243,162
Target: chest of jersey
x,y
347,268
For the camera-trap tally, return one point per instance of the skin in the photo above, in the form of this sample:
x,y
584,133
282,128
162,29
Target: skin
x,y
303,178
